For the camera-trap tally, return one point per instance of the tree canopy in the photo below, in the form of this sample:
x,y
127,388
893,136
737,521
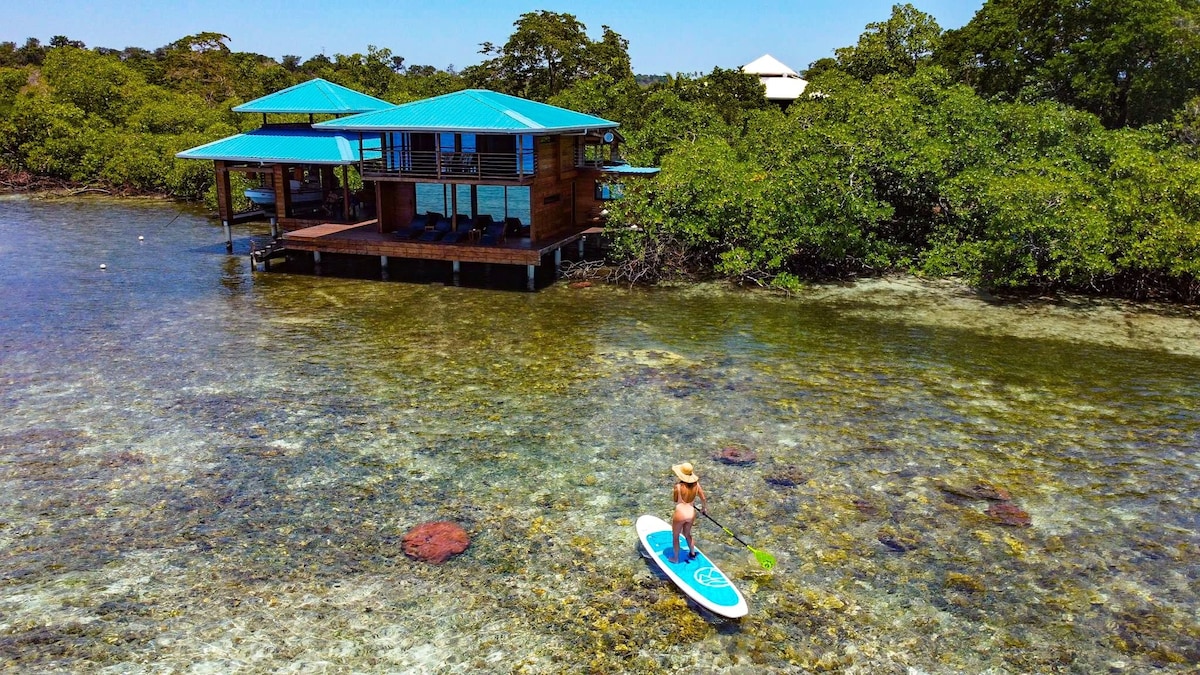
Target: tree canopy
x,y
1129,62
899,45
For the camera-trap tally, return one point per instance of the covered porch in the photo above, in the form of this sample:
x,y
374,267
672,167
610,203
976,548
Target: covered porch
x,y
295,177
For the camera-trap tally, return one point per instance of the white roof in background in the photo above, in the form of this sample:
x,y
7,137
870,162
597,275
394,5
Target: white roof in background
x,y
782,83
768,65
784,88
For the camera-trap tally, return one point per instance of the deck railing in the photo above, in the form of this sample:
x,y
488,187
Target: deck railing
x,y
592,156
432,164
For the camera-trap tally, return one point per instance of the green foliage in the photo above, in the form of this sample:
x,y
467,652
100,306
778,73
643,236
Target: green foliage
x,y
678,223
1129,63
201,64
548,53
913,173
681,109
93,119
1040,225
896,46
1154,205
12,80
664,120
1185,127
602,96
117,118
423,82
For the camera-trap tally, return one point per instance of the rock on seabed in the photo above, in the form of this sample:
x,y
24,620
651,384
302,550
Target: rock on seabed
x,y
1007,513
435,542
736,455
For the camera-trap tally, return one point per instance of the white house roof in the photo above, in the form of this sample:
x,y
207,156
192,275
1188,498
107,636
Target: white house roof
x,y
770,66
782,83
784,88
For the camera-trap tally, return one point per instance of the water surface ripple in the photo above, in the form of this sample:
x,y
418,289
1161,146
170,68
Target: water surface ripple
x,y
209,469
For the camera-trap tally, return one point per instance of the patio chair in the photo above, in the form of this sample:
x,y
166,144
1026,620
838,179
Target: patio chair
x,y
462,232
514,227
414,229
494,234
439,230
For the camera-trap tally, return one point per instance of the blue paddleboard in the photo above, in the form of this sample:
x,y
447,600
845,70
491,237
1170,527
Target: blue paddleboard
x,y
698,577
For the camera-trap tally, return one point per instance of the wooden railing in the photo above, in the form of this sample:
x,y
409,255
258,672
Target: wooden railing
x,y
447,165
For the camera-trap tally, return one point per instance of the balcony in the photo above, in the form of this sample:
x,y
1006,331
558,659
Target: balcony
x,y
449,167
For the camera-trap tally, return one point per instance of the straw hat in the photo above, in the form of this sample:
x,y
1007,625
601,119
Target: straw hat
x,y
685,473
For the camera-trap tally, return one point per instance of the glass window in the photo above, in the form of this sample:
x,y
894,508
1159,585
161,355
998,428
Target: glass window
x,y
494,200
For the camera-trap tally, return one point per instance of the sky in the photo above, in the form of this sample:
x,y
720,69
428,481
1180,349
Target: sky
x,y
665,36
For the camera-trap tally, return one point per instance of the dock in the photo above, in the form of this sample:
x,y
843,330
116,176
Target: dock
x,y
364,239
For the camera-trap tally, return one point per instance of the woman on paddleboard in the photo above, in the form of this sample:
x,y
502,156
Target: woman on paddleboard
x,y
685,492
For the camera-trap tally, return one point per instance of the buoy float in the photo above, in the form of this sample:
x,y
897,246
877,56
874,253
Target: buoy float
x,y
103,266
141,238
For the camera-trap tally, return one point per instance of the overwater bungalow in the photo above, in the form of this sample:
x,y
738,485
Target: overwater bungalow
x,y
474,176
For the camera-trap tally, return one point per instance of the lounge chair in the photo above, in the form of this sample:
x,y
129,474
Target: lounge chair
x,y
439,230
415,228
420,224
494,234
514,228
462,232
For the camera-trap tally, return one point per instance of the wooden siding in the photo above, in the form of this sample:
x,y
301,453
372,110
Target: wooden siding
x,y
283,195
224,196
396,204
587,207
552,195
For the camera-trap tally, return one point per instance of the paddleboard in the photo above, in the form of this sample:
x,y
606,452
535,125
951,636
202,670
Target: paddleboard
x,y
698,577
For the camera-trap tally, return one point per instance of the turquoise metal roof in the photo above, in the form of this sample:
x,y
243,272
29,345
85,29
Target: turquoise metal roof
x,y
626,169
280,145
313,97
472,111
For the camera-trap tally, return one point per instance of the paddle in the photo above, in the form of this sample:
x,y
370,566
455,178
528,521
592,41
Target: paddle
x,y
765,559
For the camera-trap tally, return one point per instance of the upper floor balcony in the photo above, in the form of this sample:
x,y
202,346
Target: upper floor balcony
x,y
443,166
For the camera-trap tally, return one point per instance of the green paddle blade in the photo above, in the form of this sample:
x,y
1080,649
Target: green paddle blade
x,y
765,559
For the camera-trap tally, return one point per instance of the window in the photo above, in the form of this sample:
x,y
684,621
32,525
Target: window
x,y
609,191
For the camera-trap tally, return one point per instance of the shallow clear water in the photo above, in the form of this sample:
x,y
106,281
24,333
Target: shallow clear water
x,y
209,469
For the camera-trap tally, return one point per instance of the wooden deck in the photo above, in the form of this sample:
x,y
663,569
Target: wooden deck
x,y
364,238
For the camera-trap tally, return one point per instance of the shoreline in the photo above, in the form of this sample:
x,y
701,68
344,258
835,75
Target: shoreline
x,y
897,285
1101,320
